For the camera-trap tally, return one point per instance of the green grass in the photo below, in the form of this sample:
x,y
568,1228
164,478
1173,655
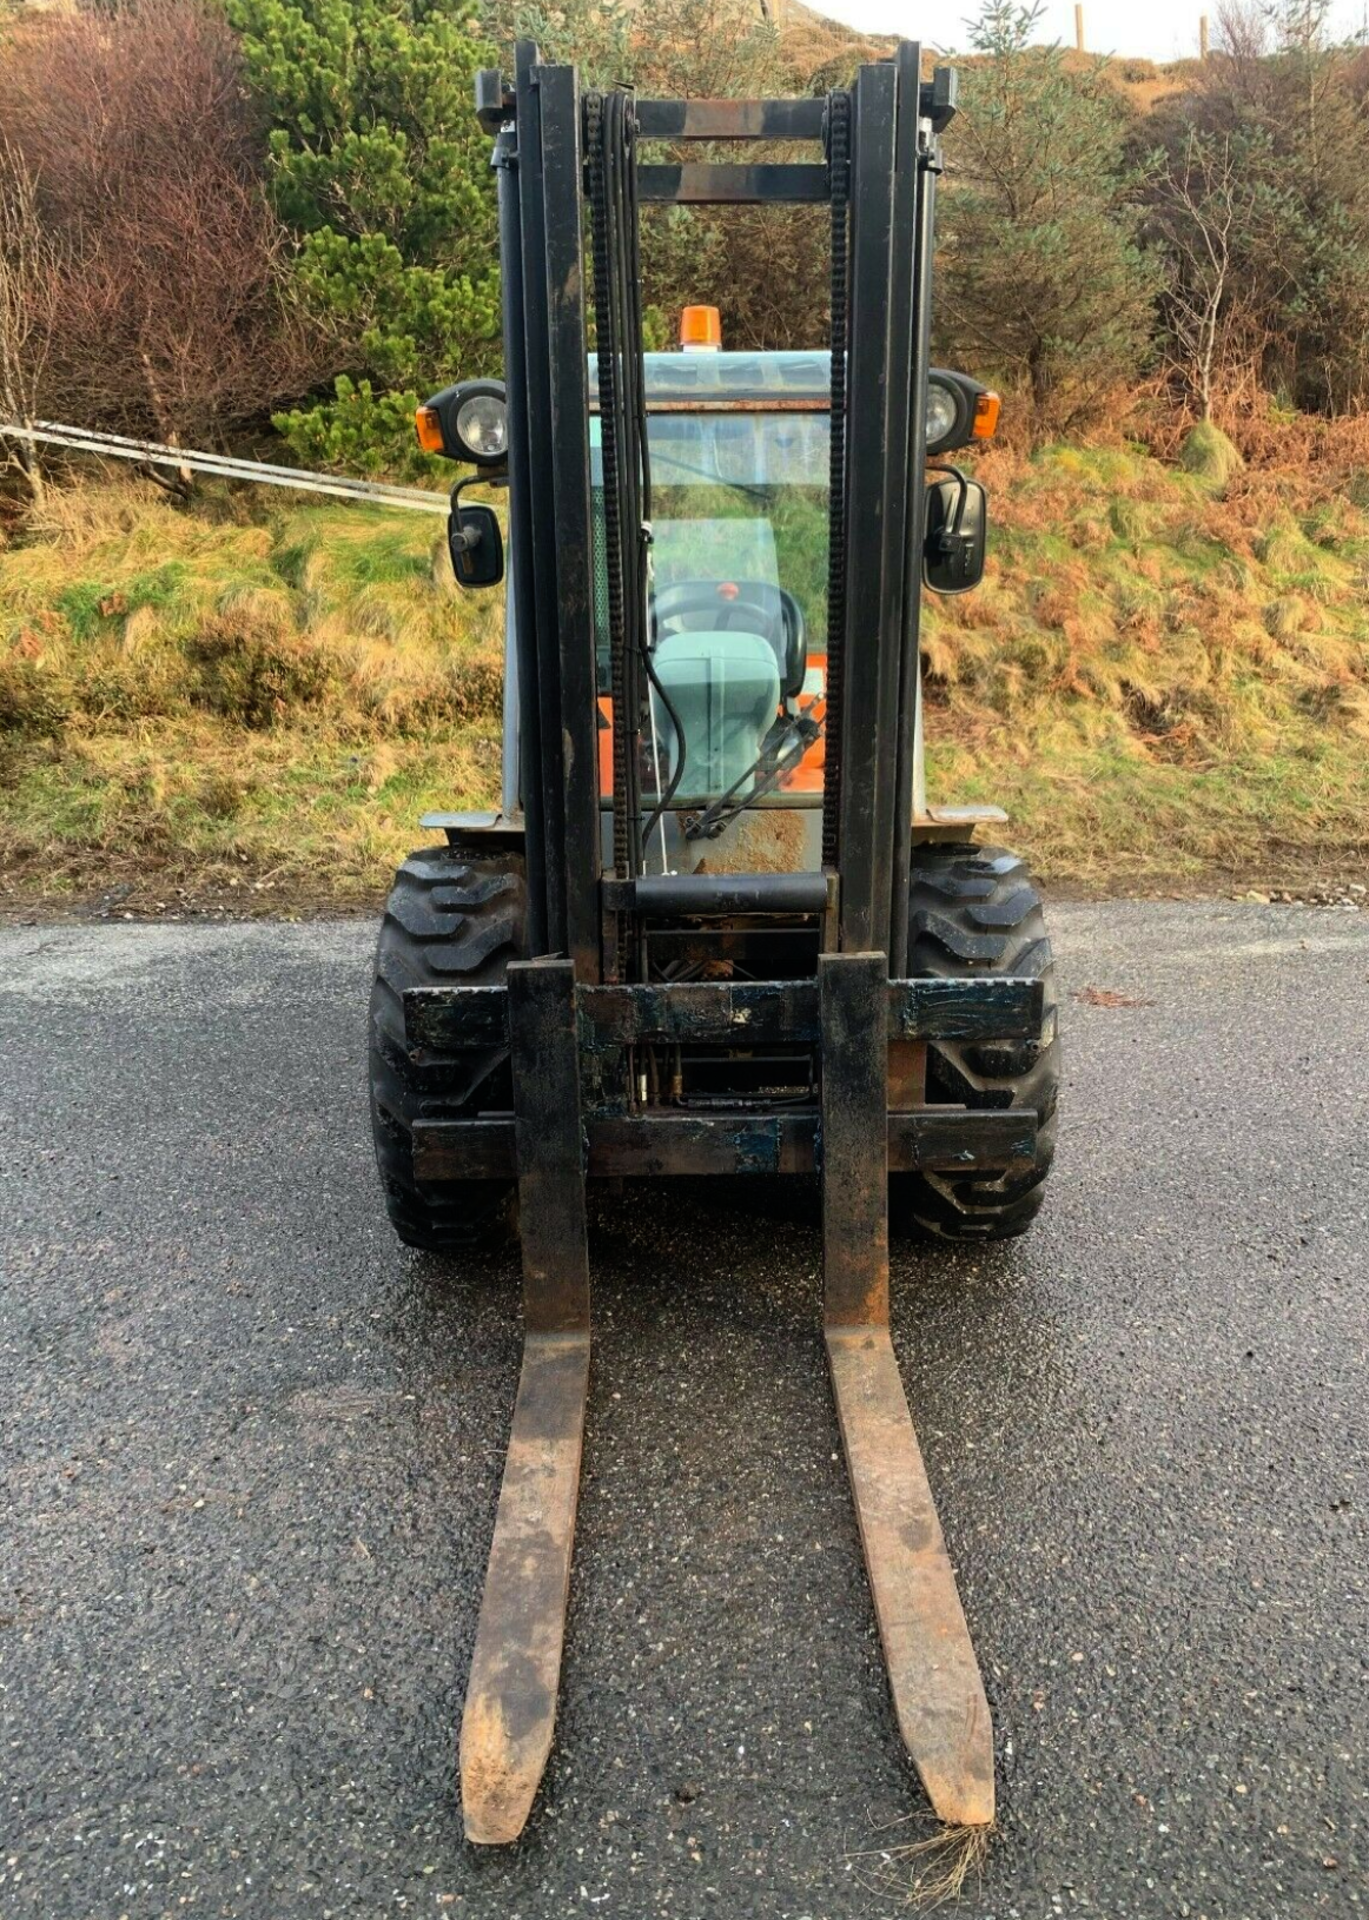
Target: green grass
x,y
1160,677
1155,681
201,690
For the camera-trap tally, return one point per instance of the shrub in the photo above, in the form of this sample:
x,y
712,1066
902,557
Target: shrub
x,y
172,319
1041,278
379,167
1208,455
254,671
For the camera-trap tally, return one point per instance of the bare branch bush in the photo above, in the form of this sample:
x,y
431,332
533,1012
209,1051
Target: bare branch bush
x,y
1201,215
30,282
137,129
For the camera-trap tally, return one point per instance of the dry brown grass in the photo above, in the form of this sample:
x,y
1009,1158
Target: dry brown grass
x,y
1160,679
204,689
118,604
1157,680
924,1869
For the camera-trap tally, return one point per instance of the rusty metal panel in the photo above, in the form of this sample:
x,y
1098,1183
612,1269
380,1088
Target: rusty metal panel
x,y
661,1142
854,1154
465,1150
510,1710
988,1009
907,1074
957,1138
745,1012
934,1676
710,1144
778,1011
443,1019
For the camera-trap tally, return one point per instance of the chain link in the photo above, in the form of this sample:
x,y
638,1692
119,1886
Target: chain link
x,y
608,441
838,163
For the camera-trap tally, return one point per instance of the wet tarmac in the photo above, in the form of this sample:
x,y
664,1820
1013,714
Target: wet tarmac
x,y
250,1452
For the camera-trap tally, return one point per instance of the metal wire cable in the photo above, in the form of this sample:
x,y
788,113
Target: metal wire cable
x,y
113,446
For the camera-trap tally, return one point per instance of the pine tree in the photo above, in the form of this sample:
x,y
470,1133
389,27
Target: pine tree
x,y
378,164
1042,283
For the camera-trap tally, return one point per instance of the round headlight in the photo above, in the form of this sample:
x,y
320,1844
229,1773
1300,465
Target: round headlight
x,y
943,415
467,421
482,426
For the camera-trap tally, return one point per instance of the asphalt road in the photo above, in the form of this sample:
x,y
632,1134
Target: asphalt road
x,y
251,1448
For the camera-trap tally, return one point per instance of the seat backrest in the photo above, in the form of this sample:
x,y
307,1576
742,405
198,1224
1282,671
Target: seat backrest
x,y
726,689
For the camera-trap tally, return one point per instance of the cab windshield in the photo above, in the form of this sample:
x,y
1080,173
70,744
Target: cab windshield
x,y
738,626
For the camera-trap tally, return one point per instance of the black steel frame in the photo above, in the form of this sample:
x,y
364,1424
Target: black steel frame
x,y
585,1043
546,374
895,157
896,121
885,167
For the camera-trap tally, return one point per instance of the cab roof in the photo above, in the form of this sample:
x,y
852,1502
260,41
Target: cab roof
x,y
731,379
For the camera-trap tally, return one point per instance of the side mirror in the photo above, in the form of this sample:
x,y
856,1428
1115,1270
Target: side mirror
x,y
476,546
956,533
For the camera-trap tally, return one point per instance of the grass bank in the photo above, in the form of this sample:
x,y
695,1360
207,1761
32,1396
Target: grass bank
x,y
1158,679
201,697
1161,679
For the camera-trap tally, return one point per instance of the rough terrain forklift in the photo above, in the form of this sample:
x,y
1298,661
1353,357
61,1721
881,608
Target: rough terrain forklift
x,y
715,926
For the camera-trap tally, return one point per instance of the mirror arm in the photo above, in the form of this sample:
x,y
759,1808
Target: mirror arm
x,y
950,533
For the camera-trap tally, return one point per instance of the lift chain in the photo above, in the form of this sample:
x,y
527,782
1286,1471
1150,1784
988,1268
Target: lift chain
x,y
838,162
608,414
627,498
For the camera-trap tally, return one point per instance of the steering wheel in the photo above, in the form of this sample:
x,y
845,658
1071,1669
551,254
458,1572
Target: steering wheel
x,y
757,607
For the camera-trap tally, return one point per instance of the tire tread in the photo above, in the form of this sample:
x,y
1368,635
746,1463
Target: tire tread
x,y
451,916
974,911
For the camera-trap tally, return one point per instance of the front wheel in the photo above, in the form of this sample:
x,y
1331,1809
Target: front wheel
x,y
452,919
974,911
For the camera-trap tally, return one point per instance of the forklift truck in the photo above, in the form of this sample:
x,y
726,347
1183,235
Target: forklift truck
x,y
714,927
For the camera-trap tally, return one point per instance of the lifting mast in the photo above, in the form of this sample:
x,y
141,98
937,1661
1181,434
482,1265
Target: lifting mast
x,y
575,1009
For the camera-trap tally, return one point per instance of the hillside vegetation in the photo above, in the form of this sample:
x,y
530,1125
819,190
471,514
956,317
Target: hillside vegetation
x,y
242,223
1159,682
197,699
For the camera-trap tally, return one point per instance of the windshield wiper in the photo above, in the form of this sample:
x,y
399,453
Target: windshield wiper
x,y
720,813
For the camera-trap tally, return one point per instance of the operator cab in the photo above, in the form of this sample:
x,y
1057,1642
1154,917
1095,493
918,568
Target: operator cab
x,y
732,749
740,453
739,446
